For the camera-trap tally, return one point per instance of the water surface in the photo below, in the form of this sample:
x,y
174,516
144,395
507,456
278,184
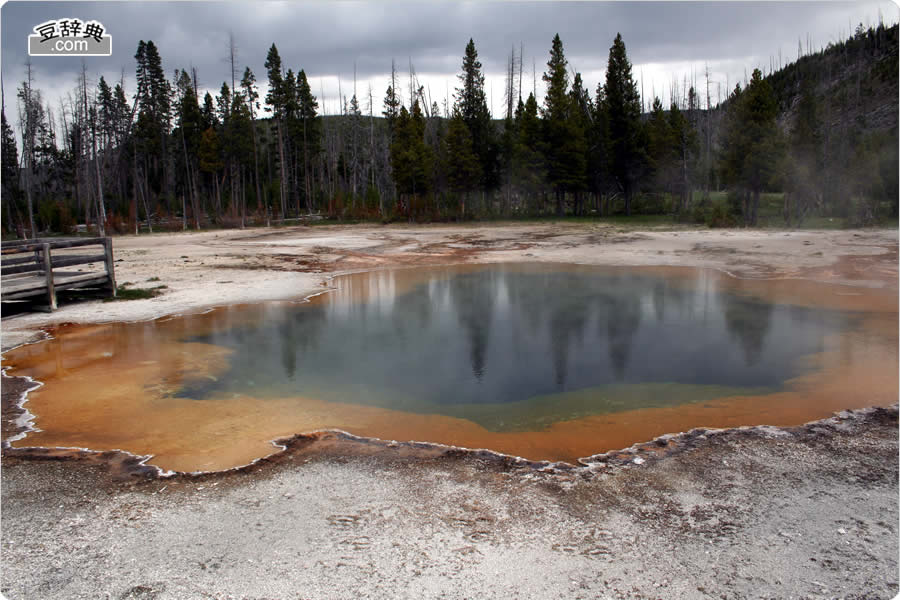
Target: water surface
x,y
548,362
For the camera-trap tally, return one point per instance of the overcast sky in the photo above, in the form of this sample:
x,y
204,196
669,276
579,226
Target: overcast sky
x,y
665,40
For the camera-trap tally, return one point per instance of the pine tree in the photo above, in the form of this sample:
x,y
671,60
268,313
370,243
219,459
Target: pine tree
x,y
597,138
563,131
392,103
803,186
31,118
508,156
752,143
223,104
581,115
121,114
391,108
292,127
685,149
276,99
154,117
310,134
660,144
251,94
240,136
472,104
463,167
209,158
107,110
9,160
411,158
623,111
529,168
208,111
190,129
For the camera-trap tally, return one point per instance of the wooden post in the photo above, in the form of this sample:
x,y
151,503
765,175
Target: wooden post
x,y
110,267
48,274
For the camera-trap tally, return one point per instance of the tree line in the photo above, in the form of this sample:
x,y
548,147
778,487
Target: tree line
x,y
169,158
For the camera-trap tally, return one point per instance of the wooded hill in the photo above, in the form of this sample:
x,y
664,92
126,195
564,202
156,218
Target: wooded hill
x,y
821,133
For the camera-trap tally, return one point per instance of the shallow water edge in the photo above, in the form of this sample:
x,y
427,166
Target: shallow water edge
x,y
340,437
124,466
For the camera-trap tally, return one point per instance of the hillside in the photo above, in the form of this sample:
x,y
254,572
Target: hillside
x,y
855,82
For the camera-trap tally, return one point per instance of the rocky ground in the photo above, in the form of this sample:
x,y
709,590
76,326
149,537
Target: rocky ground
x,y
807,512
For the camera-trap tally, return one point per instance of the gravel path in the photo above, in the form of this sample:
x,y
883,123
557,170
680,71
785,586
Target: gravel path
x,y
809,512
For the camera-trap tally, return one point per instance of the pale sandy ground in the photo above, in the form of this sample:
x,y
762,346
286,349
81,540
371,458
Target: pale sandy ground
x,y
804,513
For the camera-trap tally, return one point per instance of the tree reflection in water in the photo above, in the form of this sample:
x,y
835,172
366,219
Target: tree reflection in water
x,y
507,333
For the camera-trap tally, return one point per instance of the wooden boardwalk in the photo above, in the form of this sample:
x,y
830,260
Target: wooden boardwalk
x,y
34,268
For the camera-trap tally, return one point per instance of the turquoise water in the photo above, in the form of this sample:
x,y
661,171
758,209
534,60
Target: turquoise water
x,y
517,347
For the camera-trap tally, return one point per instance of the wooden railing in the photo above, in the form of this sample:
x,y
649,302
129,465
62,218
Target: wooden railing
x,y
29,268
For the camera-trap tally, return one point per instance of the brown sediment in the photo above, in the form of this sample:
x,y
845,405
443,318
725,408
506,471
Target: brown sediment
x,y
106,391
340,445
878,267
394,252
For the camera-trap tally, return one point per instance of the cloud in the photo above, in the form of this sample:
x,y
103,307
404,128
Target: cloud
x,y
328,39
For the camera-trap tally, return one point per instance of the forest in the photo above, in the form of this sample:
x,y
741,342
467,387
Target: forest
x,y
810,142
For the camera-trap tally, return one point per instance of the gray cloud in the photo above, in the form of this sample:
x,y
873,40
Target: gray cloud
x,y
326,39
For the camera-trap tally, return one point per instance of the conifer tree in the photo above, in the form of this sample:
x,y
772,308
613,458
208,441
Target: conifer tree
x,y
660,144
209,112
154,117
106,115
464,169
685,149
122,115
508,157
529,167
276,99
563,135
310,137
240,138
190,130
803,186
9,159
31,117
472,103
598,145
411,158
251,95
623,111
582,112
209,157
752,143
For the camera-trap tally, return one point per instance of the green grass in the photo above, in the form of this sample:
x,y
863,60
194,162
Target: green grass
x,y
771,214
123,292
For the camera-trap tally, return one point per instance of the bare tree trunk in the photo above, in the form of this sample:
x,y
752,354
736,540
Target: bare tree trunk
x,y
134,193
218,196
101,217
30,203
686,187
281,167
144,188
231,182
259,199
755,206
187,183
101,209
